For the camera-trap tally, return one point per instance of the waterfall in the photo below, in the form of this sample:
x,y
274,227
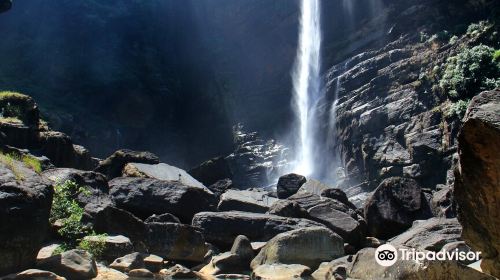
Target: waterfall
x,y
306,84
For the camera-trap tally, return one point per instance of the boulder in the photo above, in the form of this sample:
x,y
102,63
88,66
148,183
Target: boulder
x,y
104,273
163,218
430,234
160,171
289,184
25,201
336,269
235,261
477,191
73,264
212,171
364,267
393,207
113,165
220,187
350,229
179,272
338,195
162,197
47,251
113,246
93,182
280,272
313,187
61,151
287,208
106,218
137,261
176,242
246,201
221,228
33,274
307,246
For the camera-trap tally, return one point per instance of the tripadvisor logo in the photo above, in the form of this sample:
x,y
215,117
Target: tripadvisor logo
x,y
387,255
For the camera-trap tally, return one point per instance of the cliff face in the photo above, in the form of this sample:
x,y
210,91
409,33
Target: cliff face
x,y
393,116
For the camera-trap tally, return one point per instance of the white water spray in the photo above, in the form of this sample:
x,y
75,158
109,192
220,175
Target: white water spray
x,y
306,84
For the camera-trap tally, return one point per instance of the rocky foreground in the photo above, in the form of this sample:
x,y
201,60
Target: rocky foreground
x,y
66,215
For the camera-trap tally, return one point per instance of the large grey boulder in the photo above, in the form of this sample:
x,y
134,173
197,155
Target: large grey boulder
x,y
73,264
176,242
113,246
307,246
477,190
25,201
246,201
393,207
289,184
160,171
288,208
113,165
161,196
430,234
221,228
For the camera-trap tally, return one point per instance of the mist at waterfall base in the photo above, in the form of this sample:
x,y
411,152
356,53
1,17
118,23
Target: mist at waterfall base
x,y
312,157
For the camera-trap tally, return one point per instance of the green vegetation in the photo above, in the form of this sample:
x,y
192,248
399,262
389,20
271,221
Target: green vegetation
x,y
458,109
9,160
11,95
476,29
470,72
96,246
66,211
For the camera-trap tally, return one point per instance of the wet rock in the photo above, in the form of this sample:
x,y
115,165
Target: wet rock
x,y
114,246
163,218
73,264
212,171
160,171
476,179
393,207
289,184
364,267
280,272
287,208
308,246
246,201
221,228
313,187
33,274
162,197
113,165
339,195
430,234
175,242
25,201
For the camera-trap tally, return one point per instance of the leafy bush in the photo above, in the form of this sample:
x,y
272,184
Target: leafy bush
x,y
96,246
470,72
68,213
458,109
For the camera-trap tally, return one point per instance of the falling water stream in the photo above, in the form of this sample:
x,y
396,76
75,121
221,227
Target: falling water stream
x,y
306,84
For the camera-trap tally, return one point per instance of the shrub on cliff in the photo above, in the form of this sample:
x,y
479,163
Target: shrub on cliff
x,y
470,72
